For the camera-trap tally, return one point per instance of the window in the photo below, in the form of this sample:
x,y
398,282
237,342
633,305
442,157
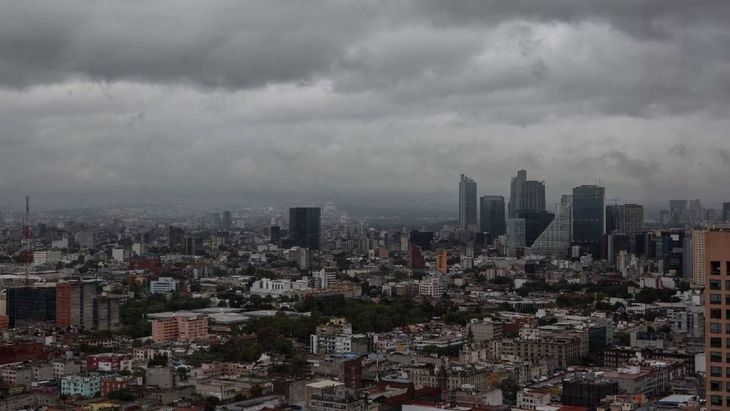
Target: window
x,y
716,371
715,385
715,313
716,400
715,328
715,285
727,284
727,328
716,342
715,356
715,267
715,299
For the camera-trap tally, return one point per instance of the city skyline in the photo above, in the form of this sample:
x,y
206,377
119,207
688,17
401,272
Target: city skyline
x,y
204,106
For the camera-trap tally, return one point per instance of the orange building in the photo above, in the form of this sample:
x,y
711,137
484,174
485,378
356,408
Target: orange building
x,y
717,318
4,322
180,328
63,304
442,263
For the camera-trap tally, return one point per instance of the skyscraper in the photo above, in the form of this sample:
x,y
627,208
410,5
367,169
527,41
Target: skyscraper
x,y
535,223
717,302
695,213
588,218
677,212
631,219
525,194
75,304
555,239
726,212
491,215
305,227
533,196
227,220
515,193
467,204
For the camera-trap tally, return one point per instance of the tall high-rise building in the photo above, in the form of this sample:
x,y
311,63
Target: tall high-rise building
x,y
442,264
515,193
698,258
75,304
588,218
227,220
717,302
612,217
535,223
726,212
555,239
525,195
305,227
677,212
467,203
491,215
533,196
631,219
32,304
175,236
515,233
695,213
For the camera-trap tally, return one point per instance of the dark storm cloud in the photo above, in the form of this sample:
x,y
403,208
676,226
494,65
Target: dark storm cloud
x,y
127,99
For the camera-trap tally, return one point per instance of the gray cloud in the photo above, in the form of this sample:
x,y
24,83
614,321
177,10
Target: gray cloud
x,y
128,101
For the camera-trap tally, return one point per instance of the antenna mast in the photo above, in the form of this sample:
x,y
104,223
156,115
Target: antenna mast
x,y
28,241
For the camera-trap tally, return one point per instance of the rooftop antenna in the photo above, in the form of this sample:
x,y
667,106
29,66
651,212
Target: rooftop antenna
x,y
27,236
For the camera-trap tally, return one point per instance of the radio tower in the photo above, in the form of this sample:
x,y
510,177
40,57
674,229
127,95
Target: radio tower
x,y
28,241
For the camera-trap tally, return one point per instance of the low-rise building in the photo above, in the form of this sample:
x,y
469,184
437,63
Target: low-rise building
x,y
86,386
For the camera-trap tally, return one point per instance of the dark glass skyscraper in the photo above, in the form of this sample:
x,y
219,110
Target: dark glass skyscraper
x,y
588,218
305,227
467,203
31,304
525,195
535,223
491,215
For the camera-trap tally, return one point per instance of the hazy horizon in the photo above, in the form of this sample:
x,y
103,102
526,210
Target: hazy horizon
x,y
378,105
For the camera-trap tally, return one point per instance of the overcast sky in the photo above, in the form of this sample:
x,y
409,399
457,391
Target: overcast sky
x,y
105,102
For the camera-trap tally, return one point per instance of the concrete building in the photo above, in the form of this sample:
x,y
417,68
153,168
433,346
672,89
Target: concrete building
x,y
75,304
431,286
698,258
717,302
163,285
180,328
333,337
442,264
86,386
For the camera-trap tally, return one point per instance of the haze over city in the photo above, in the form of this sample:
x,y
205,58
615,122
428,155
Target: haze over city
x,y
378,205
372,104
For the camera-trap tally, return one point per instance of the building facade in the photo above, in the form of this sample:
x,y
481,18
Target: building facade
x,y
305,227
588,218
467,203
492,215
